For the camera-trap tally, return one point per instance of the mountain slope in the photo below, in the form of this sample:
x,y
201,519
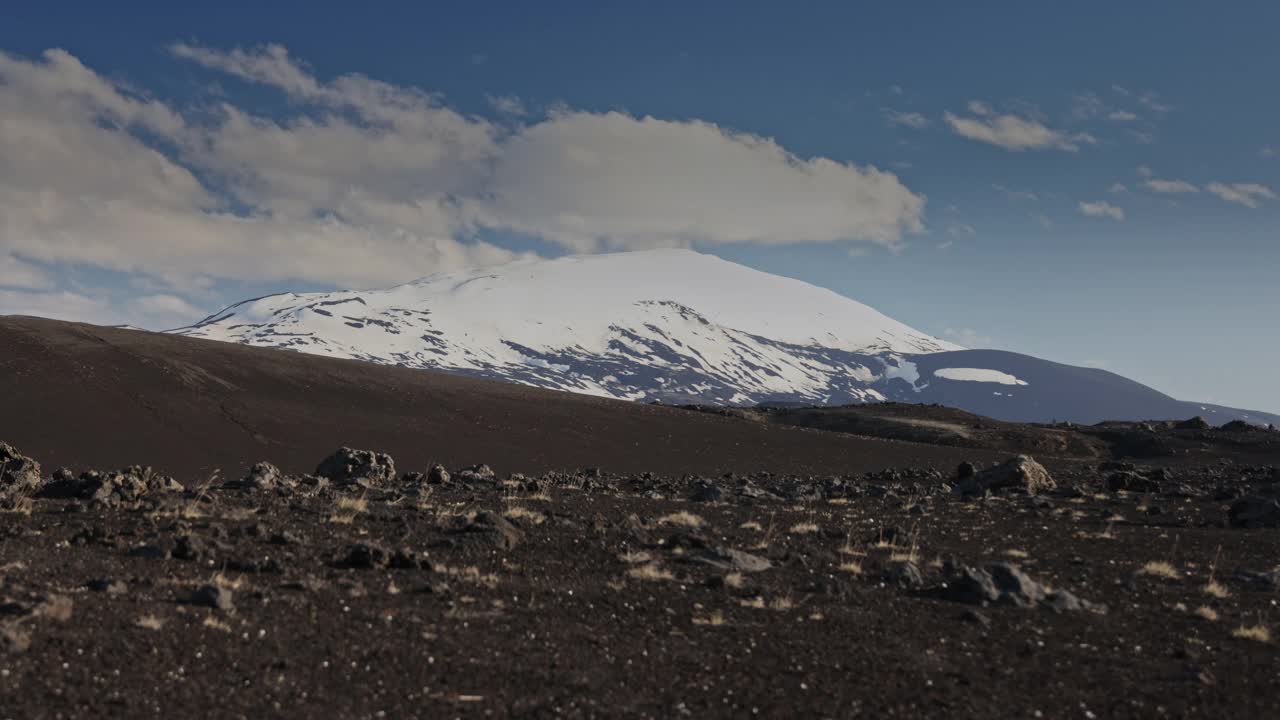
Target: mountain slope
x,y
682,327
667,324
1020,388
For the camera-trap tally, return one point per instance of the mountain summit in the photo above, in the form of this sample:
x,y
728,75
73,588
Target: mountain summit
x,y
659,324
684,327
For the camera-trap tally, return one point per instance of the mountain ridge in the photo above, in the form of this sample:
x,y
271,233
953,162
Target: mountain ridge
x,y
681,327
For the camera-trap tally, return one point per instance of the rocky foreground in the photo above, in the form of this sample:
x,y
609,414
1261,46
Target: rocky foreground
x,y
1015,590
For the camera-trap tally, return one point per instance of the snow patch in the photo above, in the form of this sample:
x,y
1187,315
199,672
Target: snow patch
x,y
978,375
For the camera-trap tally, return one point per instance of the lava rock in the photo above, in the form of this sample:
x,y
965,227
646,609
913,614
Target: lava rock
x,y
114,488
263,476
364,556
1255,512
190,547
364,468
213,596
1258,580
731,560
1006,584
1131,482
487,525
476,475
13,639
19,475
437,475
1021,472
706,492
1195,423
110,587
904,575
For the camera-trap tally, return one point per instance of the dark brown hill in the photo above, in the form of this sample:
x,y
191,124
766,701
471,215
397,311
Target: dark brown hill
x,y
88,396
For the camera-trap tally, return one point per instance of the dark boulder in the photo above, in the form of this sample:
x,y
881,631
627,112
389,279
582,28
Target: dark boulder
x,y
19,475
364,468
1020,473
1255,512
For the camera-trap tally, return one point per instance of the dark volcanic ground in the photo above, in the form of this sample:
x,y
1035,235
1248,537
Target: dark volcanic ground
x,y
87,396
831,575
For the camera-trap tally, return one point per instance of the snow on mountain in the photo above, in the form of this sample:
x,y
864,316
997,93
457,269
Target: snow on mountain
x,y
662,324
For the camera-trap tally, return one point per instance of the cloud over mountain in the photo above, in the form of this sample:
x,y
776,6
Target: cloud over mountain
x,y
355,181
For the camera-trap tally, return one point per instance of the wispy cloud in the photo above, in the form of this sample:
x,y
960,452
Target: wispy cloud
x,y
1164,186
967,337
1101,209
1015,194
1122,116
1013,132
1169,187
912,120
507,105
1247,194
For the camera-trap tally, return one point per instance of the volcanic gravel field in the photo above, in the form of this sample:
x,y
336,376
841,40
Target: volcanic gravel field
x,y
649,562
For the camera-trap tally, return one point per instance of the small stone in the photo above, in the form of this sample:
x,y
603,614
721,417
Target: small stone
x,y
213,596
110,587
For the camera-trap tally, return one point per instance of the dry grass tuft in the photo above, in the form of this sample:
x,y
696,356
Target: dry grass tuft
x,y
1217,589
520,512
650,571
216,624
1204,612
807,528
150,622
751,525
635,557
1016,553
682,519
853,567
715,619
347,508
1259,633
1160,569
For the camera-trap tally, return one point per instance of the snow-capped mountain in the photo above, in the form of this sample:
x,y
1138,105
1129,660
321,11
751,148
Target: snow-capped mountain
x,y
680,326
662,324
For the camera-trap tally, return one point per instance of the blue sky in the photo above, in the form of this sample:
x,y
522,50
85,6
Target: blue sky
x,y
1093,183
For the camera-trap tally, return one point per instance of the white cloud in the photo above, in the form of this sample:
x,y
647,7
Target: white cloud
x,y
1122,116
507,105
17,273
977,107
961,230
967,337
359,182
1247,194
1013,132
1016,194
1169,187
1118,189
1101,209
1045,221
1269,151
1143,137
1153,103
166,305
59,305
1144,171
912,120
598,181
